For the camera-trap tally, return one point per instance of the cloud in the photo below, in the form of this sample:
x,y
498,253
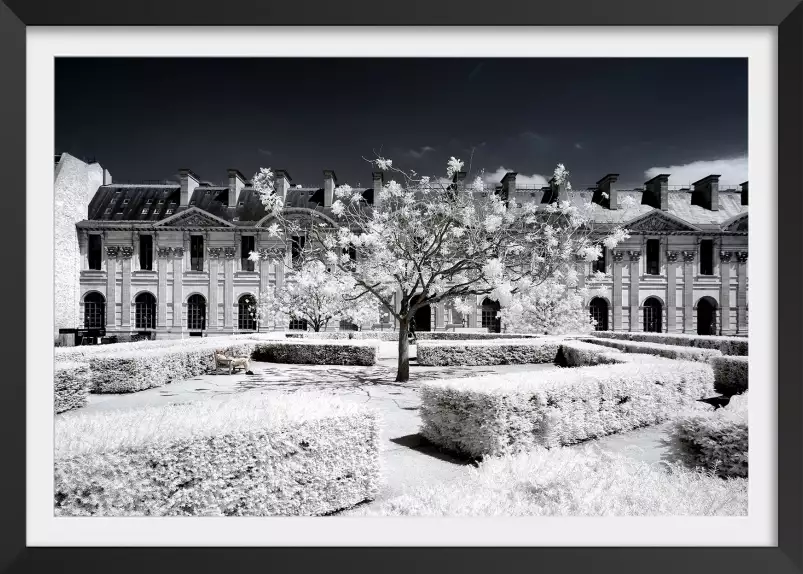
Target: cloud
x,y
265,151
418,154
578,146
733,171
534,180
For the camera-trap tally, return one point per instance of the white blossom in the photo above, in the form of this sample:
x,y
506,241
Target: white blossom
x,y
384,164
453,166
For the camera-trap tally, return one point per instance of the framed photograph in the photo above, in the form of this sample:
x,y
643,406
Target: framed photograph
x,y
434,288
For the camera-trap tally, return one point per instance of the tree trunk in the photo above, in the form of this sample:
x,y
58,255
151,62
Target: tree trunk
x,y
403,373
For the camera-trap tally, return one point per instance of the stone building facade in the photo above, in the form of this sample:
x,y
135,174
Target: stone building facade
x,y
171,258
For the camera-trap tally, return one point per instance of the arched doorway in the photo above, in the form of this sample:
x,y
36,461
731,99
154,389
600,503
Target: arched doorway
x,y
247,313
490,316
94,311
598,309
145,311
422,320
653,315
196,313
706,316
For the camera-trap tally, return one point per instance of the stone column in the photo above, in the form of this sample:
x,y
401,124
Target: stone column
x,y
163,253
83,242
671,290
725,292
741,292
125,291
178,285
228,289
186,250
111,284
635,258
581,267
688,291
440,315
616,296
214,259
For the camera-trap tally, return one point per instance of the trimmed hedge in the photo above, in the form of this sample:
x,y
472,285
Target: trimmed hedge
x,y
131,371
314,352
286,456
661,350
726,345
717,441
70,385
467,336
730,374
501,352
339,335
581,354
514,412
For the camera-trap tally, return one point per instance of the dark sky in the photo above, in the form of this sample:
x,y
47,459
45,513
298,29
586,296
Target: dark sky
x,y
144,118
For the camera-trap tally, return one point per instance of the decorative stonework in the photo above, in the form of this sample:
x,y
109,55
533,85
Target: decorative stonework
x,y
634,255
215,252
126,252
738,224
741,256
229,252
688,256
618,255
112,251
178,251
271,253
163,252
672,256
657,221
725,256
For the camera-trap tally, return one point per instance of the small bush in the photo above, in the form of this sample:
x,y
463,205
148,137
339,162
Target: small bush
x,y
730,374
70,386
242,457
662,350
312,352
499,414
580,354
499,352
716,441
725,345
571,482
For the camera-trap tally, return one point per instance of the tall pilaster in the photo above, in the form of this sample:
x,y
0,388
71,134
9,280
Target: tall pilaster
x,y
440,315
178,286
725,292
616,296
741,292
83,242
214,260
635,257
688,291
671,290
111,284
125,290
163,253
228,288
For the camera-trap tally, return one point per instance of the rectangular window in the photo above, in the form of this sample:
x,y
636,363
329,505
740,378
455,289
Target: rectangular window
x,y
653,256
196,253
297,245
246,247
94,252
707,257
600,263
146,252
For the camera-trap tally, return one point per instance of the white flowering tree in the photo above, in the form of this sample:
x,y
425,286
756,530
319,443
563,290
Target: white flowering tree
x,y
429,240
550,308
320,296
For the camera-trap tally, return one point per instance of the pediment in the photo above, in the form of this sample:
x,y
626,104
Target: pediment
x,y
194,217
737,223
659,221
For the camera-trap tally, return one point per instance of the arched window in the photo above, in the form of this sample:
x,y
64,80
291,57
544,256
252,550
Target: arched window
x,y
298,324
196,313
145,311
247,313
599,313
490,320
653,315
94,311
347,325
706,316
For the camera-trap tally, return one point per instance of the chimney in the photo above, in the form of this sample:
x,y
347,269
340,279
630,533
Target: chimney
x,y
705,193
657,192
379,183
189,181
107,177
557,192
329,183
508,185
744,192
607,186
282,183
236,183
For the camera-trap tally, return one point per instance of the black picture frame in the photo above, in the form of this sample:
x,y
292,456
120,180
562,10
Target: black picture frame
x,y
786,15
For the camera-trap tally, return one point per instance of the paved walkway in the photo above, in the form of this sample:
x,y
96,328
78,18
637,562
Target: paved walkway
x,y
407,462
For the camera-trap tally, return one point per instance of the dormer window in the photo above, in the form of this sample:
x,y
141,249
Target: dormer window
x,y
108,210
149,202
145,211
125,202
161,201
169,211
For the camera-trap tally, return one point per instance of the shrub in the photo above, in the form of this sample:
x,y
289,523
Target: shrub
x,y
662,350
469,336
581,354
70,386
499,414
338,335
312,352
730,374
571,482
716,441
725,345
500,352
243,457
